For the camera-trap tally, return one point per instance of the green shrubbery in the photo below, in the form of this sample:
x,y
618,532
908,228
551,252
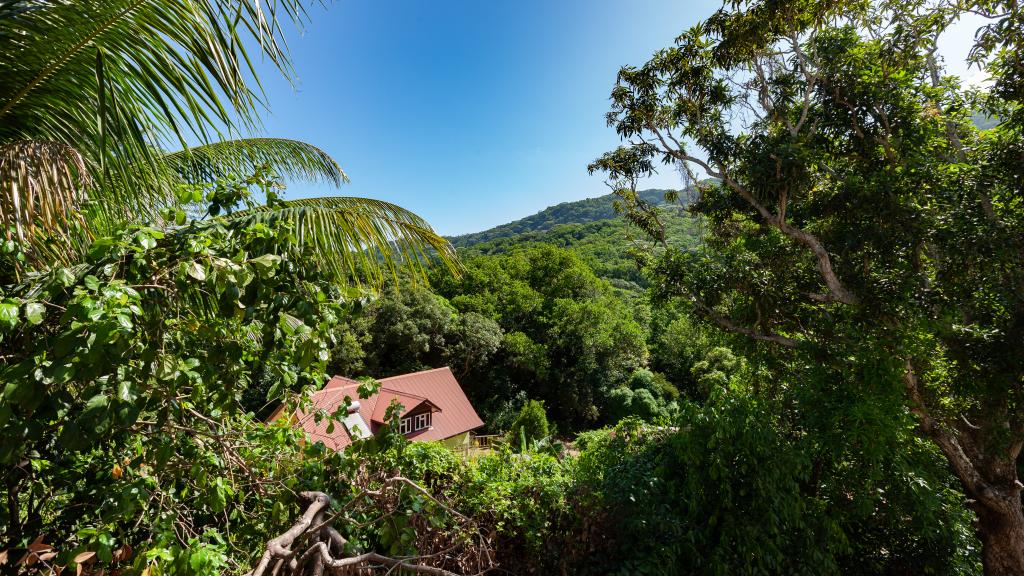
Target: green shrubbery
x,y
647,395
730,490
530,426
532,324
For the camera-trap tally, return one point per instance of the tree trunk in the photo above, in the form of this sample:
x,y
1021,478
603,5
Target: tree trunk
x,y
989,479
996,500
1002,539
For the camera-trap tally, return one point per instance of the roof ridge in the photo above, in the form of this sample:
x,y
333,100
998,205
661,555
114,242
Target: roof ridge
x,y
448,368
401,393
335,389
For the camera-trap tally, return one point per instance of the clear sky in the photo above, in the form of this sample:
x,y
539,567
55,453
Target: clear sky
x,y
471,113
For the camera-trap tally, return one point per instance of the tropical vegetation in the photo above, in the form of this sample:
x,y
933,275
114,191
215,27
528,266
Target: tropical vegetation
x,y
862,229
804,362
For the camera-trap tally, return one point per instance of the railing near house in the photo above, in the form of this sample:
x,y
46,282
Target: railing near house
x,y
487,441
479,445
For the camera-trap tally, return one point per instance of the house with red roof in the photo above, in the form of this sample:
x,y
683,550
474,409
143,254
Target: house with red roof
x,y
433,407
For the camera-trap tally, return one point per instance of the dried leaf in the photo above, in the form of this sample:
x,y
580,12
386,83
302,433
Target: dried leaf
x,y
123,553
83,556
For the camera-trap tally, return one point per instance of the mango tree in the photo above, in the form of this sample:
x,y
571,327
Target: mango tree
x,y
858,219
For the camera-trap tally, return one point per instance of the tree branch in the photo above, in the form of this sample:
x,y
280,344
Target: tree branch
x,y
731,326
977,487
312,544
837,292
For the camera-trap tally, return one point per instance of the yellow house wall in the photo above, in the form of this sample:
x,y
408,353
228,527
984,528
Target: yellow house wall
x,y
457,441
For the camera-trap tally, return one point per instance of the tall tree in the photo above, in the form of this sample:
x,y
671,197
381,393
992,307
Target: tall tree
x,y
859,222
568,339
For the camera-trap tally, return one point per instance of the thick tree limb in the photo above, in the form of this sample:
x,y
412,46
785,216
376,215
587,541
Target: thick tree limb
x,y
976,485
837,292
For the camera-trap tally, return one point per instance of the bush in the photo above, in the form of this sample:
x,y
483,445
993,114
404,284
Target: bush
x,y
648,396
735,491
718,365
531,424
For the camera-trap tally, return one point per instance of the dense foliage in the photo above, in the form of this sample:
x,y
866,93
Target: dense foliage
x,y
610,247
120,419
530,425
532,324
861,227
735,492
569,339
826,371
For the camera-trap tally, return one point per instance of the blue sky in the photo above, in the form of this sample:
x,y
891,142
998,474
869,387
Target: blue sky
x,y
471,113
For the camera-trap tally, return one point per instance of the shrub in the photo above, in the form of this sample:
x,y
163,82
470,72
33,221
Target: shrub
x,y
530,425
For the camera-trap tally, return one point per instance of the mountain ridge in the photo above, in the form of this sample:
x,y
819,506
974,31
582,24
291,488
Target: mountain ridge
x,y
589,227
573,212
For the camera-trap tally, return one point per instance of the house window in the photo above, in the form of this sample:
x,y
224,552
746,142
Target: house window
x,y
414,423
422,421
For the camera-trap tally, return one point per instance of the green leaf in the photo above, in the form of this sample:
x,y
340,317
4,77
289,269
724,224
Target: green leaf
x,y
197,271
146,241
21,390
267,260
124,321
97,402
8,314
34,312
63,373
64,276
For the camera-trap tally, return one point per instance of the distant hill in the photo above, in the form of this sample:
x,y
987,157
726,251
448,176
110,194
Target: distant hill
x,y
592,228
984,121
578,212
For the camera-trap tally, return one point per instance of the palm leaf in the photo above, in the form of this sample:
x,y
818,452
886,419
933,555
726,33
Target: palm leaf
x,y
291,159
356,239
122,80
41,187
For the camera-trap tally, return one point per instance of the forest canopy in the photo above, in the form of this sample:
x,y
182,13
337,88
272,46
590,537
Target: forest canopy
x,y
804,361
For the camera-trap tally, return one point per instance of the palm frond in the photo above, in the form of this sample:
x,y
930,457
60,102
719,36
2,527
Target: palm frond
x,y
357,239
42,186
122,80
291,159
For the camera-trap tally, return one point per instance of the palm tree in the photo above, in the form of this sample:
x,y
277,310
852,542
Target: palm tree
x,y
96,91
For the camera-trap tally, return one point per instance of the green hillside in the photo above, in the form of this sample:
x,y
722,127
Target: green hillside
x,y
604,243
578,212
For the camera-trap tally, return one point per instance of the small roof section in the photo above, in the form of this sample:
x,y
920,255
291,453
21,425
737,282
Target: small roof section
x,y
409,402
437,388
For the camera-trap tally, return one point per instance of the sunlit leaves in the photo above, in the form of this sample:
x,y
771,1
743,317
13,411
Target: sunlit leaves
x,y
157,334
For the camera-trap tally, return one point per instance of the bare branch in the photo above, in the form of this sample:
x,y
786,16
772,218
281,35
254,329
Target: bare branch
x,y
312,544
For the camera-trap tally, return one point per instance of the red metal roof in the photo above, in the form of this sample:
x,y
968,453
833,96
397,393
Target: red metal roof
x,y
453,414
409,402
